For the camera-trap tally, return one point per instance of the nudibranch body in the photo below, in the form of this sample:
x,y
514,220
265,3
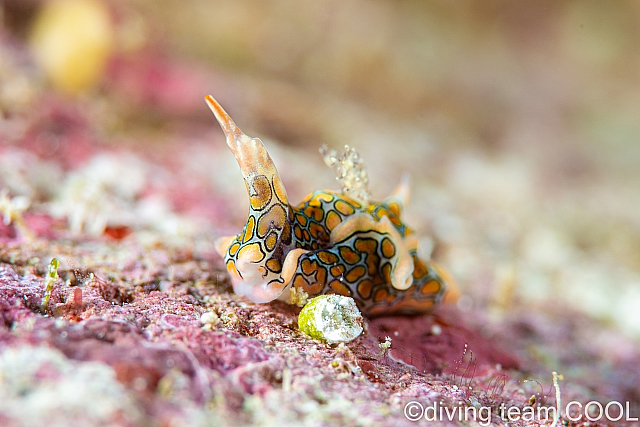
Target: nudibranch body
x,y
330,243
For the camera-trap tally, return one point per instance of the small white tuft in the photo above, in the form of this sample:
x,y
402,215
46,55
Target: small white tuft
x,y
350,170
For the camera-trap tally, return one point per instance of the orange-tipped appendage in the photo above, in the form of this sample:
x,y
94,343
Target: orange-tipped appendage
x,y
228,125
254,160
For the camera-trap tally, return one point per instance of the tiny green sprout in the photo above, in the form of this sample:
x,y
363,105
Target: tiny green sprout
x,y
52,276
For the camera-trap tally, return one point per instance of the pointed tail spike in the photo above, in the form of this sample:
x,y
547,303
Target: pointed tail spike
x,y
400,195
403,190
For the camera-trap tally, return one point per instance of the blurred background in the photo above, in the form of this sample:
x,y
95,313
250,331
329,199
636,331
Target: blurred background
x,y
518,122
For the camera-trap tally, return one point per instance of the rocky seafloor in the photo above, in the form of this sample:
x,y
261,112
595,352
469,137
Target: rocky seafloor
x,y
128,184
143,327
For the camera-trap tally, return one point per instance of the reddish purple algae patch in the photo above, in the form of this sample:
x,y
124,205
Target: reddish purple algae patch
x,y
434,343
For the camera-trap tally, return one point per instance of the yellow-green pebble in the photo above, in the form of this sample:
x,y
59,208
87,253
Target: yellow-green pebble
x,y
331,318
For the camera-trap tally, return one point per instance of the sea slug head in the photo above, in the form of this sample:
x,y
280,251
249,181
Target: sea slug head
x,y
259,259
